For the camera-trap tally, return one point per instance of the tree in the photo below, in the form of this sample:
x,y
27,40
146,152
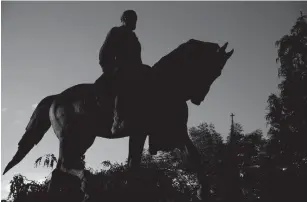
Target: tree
x,y
287,112
252,151
159,179
236,134
210,144
22,189
207,140
253,146
242,158
287,117
49,162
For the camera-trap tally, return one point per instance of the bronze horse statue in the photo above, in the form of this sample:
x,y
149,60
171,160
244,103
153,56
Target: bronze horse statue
x,y
78,114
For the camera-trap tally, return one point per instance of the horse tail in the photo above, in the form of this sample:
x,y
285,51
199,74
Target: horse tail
x,y
37,127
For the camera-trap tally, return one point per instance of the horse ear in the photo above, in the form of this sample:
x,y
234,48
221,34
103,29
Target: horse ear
x,y
229,54
223,48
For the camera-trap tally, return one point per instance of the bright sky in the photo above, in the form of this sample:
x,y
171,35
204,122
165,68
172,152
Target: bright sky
x,y
50,46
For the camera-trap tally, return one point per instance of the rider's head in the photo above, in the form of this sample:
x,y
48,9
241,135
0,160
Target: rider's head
x,y
129,19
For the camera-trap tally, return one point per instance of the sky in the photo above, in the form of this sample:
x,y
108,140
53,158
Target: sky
x,y
50,46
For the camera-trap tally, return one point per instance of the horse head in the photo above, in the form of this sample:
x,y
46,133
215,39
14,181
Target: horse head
x,y
203,64
187,72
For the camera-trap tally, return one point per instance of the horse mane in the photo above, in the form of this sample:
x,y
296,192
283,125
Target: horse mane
x,y
183,60
175,58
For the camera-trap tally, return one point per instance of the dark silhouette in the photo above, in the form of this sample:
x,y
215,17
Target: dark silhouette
x,y
287,146
123,70
247,167
121,49
158,109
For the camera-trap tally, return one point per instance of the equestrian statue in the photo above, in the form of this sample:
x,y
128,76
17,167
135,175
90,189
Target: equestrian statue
x,y
130,99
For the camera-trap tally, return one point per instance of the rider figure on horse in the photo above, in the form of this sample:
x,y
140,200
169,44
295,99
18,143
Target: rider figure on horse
x,y
121,49
120,60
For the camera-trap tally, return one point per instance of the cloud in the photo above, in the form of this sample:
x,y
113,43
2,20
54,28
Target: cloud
x,y
5,189
4,109
34,106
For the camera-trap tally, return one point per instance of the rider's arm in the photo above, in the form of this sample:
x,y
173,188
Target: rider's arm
x,y
139,57
107,53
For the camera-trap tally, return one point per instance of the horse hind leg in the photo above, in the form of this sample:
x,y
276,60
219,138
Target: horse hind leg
x,y
64,185
70,170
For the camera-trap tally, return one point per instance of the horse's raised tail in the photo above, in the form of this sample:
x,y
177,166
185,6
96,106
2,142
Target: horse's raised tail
x,y
35,131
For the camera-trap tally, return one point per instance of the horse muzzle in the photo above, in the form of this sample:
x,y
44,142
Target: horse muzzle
x,y
196,101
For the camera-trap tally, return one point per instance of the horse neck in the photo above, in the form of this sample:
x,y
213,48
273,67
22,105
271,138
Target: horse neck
x,y
167,90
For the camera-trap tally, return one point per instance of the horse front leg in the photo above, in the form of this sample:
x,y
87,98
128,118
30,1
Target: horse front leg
x,y
136,146
194,159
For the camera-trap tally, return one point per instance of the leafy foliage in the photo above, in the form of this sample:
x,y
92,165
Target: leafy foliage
x,y
237,171
287,117
287,111
22,189
49,161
